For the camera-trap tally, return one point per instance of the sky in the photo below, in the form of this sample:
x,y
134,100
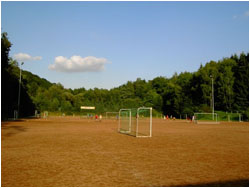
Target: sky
x,y
106,44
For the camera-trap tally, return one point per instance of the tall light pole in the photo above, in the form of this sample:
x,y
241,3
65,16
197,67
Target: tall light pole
x,y
211,76
19,91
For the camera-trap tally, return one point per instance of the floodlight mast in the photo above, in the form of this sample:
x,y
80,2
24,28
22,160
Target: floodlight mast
x,y
19,91
211,76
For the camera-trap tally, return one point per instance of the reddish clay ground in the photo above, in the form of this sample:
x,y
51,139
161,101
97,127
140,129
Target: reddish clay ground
x,y
75,152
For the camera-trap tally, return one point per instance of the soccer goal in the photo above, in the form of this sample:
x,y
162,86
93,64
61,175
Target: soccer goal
x,y
136,122
144,122
125,121
206,118
112,115
232,117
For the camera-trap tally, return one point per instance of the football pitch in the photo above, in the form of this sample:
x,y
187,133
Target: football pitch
x,y
69,151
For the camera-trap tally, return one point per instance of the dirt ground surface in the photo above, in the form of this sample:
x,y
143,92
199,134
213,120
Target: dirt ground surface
x,y
69,151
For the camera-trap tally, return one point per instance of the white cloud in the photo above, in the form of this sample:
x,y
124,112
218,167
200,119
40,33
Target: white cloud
x,y
78,64
26,57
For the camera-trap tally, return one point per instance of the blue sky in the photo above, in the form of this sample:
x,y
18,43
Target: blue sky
x,y
106,44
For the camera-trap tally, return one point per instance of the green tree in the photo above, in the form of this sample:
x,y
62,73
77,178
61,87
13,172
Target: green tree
x,y
225,81
5,45
54,105
140,88
41,100
159,84
185,99
66,106
172,100
201,85
154,100
241,84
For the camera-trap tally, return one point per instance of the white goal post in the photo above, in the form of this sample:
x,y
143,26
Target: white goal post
x,y
206,118
136,122
144,116
108,114
234,117
125,121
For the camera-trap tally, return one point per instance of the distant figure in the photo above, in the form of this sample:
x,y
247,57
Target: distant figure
x,y
193,118
167,117
100,117
96,117
164,117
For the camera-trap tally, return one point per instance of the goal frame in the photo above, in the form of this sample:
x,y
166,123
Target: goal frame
x,y
117,113
150,122
215,121
229,117
136,122
130,121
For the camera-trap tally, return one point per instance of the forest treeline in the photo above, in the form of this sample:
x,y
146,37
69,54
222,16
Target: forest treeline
x,y
183,93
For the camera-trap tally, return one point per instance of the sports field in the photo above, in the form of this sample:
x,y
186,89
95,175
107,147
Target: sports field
x,y
70,151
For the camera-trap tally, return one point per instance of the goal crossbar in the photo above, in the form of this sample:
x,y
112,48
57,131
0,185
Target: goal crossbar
x,y
140,125
130,120
150,122
214,119
117,113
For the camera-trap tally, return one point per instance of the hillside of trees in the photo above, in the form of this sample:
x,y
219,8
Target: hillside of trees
x,y
183,93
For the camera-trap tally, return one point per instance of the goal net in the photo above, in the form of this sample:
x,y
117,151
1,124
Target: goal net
x,y
125,121
136,122
112,115
206,118
230,117
144,122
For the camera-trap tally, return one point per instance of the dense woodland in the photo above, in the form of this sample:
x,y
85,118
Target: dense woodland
x,y
183,93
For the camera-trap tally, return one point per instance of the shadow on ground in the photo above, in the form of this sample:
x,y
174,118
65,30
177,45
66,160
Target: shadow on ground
x,y
231,183
8,131
18,120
